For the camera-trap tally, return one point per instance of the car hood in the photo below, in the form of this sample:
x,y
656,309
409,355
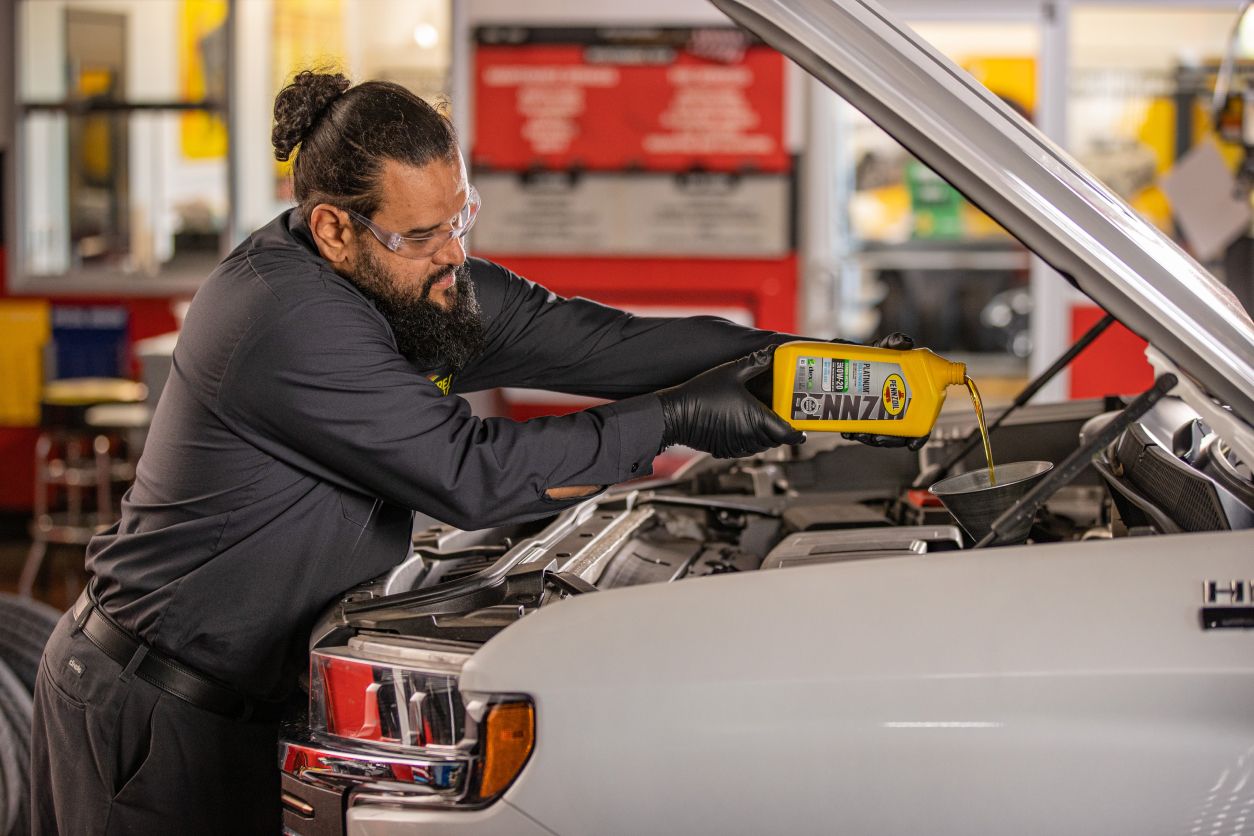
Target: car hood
x,y
1037,191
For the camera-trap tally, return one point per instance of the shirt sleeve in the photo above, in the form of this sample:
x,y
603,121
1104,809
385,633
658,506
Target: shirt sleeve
x,y
539,340
323,389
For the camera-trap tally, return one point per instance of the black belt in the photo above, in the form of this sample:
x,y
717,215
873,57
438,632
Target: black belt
x,y
165,673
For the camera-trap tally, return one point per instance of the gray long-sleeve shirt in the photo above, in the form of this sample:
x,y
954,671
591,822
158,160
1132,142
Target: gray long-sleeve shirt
x,y
292,441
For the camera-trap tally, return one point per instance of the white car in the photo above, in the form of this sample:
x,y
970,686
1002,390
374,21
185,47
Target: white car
x,y
799,643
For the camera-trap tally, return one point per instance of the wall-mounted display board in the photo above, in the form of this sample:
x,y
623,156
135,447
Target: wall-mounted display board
x,y
662,99
650,214
645,168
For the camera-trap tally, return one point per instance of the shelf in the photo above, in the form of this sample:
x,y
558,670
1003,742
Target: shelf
x,y
992,255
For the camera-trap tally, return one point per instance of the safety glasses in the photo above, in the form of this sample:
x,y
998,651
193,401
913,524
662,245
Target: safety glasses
x,y
425,246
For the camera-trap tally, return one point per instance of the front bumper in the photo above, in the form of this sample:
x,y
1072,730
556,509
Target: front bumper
x,y
368,817
311,810
321,781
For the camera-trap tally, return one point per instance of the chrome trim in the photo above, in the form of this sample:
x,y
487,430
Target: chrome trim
x,y
435,778
298,806
374,796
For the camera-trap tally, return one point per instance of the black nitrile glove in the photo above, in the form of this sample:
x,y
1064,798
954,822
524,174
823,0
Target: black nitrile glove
x,y
714,411
898,342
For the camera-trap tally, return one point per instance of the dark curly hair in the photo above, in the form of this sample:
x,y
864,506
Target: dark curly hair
x,y
341,134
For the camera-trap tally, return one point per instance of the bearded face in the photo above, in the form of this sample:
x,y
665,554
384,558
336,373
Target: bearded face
x,y
429,333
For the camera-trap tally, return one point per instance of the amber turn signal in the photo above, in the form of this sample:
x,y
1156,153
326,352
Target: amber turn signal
x,y
508,737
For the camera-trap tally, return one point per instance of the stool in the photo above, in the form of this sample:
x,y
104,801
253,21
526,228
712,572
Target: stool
x,y
90,437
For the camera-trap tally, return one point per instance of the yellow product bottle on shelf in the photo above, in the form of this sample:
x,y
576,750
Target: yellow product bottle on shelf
x,y
835,387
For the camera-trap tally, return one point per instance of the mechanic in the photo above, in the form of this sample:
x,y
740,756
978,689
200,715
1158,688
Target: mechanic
x,y
311,408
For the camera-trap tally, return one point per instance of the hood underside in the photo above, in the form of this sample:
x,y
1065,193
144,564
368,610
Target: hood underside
x,y
1038,192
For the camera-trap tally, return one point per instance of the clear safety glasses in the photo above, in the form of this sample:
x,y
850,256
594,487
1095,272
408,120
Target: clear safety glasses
x,y
425,246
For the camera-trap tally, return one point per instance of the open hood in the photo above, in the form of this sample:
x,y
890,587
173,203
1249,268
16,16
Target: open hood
x,y
1032,187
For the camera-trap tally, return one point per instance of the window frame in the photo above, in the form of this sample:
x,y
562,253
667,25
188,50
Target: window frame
x,y
97,281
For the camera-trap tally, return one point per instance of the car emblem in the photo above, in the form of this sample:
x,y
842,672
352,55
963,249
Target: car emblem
x,y
1227,605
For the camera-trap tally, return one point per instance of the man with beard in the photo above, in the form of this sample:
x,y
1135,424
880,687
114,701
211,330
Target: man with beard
x,y
312,407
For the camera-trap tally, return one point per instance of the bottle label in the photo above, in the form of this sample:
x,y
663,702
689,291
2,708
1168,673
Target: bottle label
x,y
832,389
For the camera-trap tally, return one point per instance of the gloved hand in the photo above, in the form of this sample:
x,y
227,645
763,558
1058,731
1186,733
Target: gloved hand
x,y
714,411
899,342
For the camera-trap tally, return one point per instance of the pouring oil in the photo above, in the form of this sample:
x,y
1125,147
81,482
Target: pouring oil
x,y
838,387
979,417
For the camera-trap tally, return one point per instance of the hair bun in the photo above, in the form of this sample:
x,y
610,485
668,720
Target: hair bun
x,y
299,105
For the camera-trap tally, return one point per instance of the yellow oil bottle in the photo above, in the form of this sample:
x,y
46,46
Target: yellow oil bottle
x,y
837,387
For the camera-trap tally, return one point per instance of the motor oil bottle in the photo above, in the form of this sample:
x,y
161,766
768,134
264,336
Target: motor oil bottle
x,y
839,387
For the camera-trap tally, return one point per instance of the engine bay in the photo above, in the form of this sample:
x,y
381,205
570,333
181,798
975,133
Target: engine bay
x,y
828,501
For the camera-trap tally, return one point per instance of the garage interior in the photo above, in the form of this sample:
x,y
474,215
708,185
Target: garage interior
x,y
134,140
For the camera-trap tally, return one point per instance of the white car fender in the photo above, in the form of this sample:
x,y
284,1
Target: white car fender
x,y
1065,688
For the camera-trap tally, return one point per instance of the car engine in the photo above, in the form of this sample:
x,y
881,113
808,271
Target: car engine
x,y
827,501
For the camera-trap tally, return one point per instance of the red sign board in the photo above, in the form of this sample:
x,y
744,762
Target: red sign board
x,y
575,105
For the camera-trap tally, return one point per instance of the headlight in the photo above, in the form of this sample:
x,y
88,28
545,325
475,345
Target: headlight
x,y
386,716
388,691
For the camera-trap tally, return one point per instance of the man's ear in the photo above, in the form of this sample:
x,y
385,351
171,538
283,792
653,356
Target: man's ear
x,y
332,233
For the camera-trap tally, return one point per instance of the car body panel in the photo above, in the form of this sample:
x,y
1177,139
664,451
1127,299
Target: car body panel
x,y
1032,187
381,819
1044,689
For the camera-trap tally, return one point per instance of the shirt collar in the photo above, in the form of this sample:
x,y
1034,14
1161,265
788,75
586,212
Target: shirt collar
x,y
299,230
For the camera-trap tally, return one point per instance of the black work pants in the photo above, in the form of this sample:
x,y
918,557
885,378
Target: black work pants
x,y
111,753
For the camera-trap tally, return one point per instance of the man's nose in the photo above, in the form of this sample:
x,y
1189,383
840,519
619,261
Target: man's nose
x,y
453,252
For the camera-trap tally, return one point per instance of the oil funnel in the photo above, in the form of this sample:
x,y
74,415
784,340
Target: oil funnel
x,y
975,503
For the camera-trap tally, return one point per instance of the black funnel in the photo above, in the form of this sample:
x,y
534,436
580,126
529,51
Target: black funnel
x,y
975,504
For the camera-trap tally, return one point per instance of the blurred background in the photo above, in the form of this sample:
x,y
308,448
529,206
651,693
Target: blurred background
x,y
648,155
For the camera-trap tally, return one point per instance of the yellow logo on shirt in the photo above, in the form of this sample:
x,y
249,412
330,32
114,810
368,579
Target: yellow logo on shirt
x,y
444,383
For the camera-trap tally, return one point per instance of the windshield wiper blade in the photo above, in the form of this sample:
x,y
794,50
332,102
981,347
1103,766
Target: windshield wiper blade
x,y
933,475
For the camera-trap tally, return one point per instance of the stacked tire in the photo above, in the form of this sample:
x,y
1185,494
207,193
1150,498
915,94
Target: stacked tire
x,y
24,629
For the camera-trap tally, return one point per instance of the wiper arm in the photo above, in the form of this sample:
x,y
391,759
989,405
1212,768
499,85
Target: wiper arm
x,y
1061,476
933,475
568,583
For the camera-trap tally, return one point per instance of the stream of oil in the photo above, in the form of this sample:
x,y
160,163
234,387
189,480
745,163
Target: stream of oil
x,y
979,416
